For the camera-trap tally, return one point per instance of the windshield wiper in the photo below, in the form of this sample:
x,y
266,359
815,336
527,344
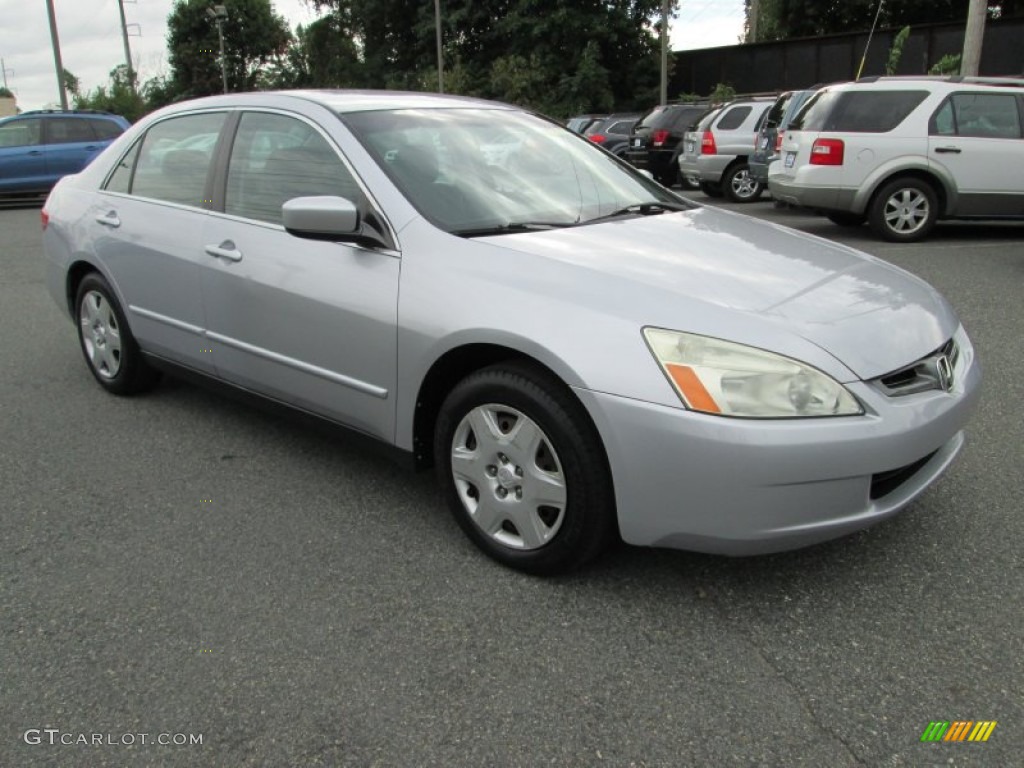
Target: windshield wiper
x,y
511,228
641,209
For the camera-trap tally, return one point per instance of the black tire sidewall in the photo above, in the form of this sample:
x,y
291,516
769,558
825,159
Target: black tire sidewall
x,y
133,375
876,214
589,510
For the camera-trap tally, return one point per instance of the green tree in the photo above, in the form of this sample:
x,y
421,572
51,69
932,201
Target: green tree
x,y
6,93
896,52
253,35
121,96
321,55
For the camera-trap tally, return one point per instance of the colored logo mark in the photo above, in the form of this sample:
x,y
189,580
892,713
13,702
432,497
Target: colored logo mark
x,y
958,730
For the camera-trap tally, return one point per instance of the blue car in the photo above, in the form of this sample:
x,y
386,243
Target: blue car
x,y
38,148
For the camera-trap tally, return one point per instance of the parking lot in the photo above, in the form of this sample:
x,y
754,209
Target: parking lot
x,y
181,564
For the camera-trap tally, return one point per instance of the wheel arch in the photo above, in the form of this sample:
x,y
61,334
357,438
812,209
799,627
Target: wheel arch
x,y
453,366
945,194
76,274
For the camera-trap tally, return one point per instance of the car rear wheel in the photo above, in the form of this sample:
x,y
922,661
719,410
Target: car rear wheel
x,y
110,350
904,210
740,186
523,471
846,218
710,189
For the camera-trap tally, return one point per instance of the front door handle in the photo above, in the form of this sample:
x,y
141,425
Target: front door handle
x,y
225,250
109,219
948,150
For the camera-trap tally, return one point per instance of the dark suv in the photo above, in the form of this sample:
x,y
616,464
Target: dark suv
x,y
38,148
612,132
656,139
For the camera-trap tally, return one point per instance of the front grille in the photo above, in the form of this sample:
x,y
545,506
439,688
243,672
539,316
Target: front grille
x,y
884,483
934,371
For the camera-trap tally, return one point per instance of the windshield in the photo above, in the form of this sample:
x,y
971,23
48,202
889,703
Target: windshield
x,y
473,169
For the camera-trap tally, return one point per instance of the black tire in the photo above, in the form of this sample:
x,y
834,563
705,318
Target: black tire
x,y
512,478
670,178
739,186
710,189
904,210
846,218
110,350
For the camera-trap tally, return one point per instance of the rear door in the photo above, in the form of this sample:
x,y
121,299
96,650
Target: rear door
x,y
147,228
976,139
72,144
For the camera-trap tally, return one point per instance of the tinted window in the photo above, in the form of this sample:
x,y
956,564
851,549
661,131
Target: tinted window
x,y
120,180
705,122
872,111
652,118
815,112
778,109
987,115
175,159
68,130
105,129
21,133
684,118
733,118
276,158
622,126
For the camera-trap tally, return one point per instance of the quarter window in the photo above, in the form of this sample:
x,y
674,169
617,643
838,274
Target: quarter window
x,y
733,119
121,179
276,158
175,159
872,111
105,129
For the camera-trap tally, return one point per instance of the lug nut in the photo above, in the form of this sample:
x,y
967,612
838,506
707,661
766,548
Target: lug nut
x,y
492,470
502,493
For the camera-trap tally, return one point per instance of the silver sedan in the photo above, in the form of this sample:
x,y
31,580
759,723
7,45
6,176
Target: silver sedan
x,y
580,353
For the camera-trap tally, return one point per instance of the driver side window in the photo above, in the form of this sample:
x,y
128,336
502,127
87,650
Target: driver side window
x,y
276,158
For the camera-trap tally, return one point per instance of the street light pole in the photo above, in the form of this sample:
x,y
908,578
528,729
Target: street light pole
x,y
219,14
974,35
56,55
664,53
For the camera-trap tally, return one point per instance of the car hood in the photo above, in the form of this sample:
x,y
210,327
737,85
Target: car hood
x,y
871,316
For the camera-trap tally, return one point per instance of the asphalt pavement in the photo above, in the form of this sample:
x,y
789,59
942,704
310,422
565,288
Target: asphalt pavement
x,y
179,565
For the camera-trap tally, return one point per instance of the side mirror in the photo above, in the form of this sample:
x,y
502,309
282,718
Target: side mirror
x,y
320,217
328,217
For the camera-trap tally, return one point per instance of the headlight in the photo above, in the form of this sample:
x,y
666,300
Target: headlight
x,y
728,379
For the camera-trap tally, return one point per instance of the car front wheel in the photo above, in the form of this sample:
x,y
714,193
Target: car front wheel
x,y
904,210
523,471
110,350
740,186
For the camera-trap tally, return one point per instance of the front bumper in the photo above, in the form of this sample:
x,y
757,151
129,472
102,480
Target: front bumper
x,y
691,481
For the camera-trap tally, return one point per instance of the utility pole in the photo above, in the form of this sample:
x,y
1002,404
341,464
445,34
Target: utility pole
x,y
974,35
218,14
755,16
440,54
5,70
664,52
56,55
127,48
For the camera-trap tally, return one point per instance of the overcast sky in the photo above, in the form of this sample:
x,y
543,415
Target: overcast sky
x,y
90,38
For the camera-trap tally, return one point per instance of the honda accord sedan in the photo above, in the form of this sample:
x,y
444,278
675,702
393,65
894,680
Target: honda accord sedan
x,y
580,353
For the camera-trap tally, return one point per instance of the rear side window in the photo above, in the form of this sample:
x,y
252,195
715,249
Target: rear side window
x,y
68,130
685,118
982,115
651,119
778,109
858,111
733,118
622,126
175,159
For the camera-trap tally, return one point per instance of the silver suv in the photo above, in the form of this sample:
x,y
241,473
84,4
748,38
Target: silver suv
x,y
715,155
902,153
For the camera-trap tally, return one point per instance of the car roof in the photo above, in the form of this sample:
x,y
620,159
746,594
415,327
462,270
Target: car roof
x,y
938,81
347,101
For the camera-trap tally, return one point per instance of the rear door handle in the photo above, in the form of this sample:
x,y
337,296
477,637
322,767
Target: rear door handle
x,y
225,250
948,150
109,219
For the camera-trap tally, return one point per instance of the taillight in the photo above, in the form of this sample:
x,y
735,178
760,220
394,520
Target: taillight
x,y
658,138
44,218
707,144
778,141
598,138
827,152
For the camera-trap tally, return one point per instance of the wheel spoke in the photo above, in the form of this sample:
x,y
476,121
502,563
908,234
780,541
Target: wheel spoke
x,y
526,438
110,360
544,489
489,515
532,529
466,465
485,426
90,307
105,315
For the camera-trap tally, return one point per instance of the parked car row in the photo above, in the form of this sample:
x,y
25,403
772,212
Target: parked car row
x,y
899,153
